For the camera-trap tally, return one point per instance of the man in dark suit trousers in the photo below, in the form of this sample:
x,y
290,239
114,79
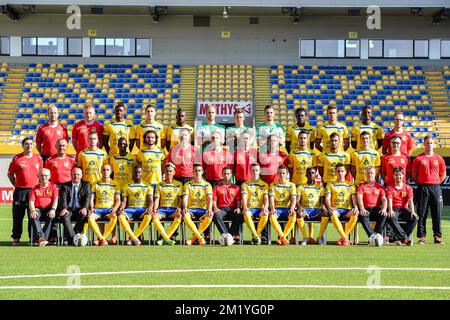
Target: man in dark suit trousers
x,y
74,204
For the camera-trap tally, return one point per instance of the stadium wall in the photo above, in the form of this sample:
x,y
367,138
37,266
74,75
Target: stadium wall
x,y
274,40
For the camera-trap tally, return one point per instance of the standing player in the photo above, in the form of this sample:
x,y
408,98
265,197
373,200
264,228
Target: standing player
x,y
332,126
234,133
117,128
282,200
48,133
23,175
340,201
43,205
363,157
375,131
172,134
372,203
271,159
215,158
311,206
105,202
394,159
255,202
300,159
400,203
204,132
137,204
399,131
328,161
429,171
150,157
183,156
60,164
294,130
167,204
149,123
82,128
227,204
197,201
244,156
268,128
122,164
90,160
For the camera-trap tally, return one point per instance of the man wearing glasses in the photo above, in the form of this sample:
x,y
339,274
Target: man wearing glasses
x,y
398,130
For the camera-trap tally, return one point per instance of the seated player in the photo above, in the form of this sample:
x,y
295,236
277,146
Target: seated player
x,y
282,200
310,202
372,203
340,201
197,201
227,204
255,202
136,204
167,204
105,202
401,205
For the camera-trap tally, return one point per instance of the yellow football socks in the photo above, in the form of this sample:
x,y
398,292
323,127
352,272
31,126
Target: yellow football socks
x,y
338,225
94,227
173,227
350,225
110,227
144,224
126,226
274,222
158,225
262,224
191,225
289,226
301,226
323,226
248,218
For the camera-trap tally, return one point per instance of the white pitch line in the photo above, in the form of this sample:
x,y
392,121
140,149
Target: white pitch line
x,y
207,286
217,270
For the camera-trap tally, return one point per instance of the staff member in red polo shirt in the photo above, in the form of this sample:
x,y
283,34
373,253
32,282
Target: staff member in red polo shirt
x,y
60,164
244,156
271,159
215,158
227,205
400,203
372,203
43,205
82,128
399,131
48,133
184,156
23,174
394,159
428,171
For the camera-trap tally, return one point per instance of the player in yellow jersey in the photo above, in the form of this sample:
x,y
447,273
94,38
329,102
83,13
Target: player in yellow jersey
x,y
282,201
137,204
149,123
293,131
105,202
167,204
340,201
364,157
300,159
117,128
327,161
173,131
310,205
197,201
375,131
255,202
150,157
90,160
332,126
122,164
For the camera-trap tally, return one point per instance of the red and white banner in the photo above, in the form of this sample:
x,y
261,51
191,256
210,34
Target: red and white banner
x,y
6,195
224,108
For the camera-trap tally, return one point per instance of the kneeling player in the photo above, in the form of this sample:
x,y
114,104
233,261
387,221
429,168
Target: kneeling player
x,y
105,201
167,204
340,201
197,201
136,205
255,202
311,206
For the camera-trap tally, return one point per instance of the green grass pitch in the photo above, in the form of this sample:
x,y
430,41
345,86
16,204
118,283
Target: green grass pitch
x,y
254,272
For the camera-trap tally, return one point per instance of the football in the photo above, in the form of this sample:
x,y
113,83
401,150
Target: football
x,y
376,240
80,240
226,239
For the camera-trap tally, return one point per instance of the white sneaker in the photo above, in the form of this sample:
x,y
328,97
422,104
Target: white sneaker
x,y
304,242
